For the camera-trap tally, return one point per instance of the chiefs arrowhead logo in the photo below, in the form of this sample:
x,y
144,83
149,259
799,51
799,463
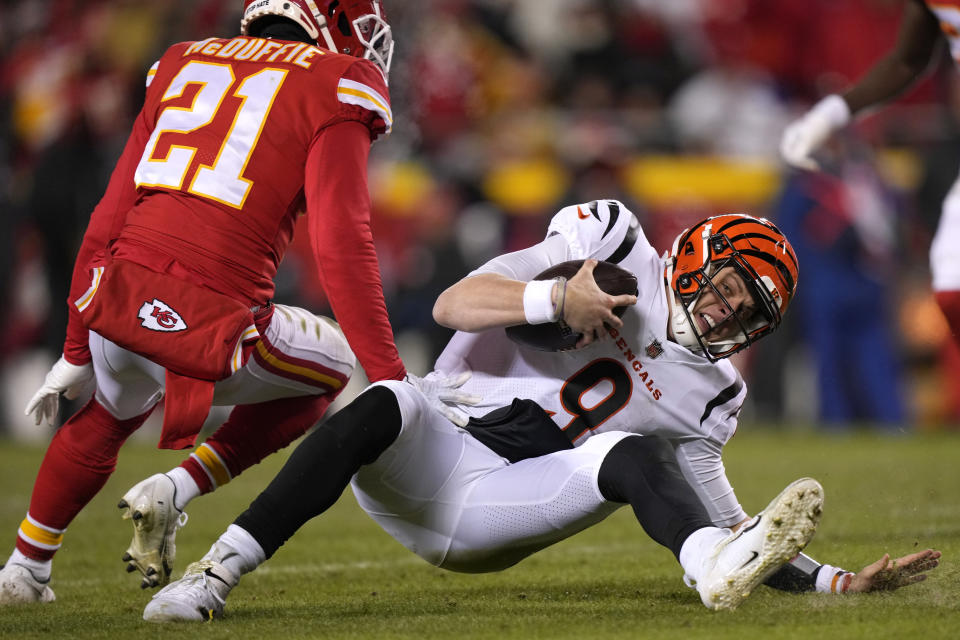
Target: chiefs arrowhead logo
x,y
158,316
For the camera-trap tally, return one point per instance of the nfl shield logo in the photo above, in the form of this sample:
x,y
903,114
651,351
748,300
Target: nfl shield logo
x,y
654,349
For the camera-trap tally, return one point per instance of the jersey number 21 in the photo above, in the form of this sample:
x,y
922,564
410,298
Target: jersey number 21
x,y
222,180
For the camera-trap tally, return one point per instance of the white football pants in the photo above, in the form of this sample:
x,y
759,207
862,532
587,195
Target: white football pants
x,y
945,247
458,505
129,384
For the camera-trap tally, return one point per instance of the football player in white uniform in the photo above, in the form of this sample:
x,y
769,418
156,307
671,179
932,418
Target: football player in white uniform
x,y
636,414
923,24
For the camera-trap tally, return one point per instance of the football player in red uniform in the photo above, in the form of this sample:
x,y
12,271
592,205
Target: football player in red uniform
x,y
921,27
171,292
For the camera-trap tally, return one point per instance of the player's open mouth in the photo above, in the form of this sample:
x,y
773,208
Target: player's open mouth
x,y
706,323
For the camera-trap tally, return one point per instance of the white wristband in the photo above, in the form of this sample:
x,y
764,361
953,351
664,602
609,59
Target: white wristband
x,y
834,110
538,302
833,579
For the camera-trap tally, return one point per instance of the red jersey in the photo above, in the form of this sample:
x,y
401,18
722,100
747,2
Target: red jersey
x,y
238,137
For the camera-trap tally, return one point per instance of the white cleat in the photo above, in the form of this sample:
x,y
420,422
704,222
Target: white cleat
x,y
150,504
198,596
18,586
748,557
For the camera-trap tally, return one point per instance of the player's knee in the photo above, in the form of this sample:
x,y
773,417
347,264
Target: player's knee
x,y
647,449
368,425
333,341
95,435
308,336
409,399
629,460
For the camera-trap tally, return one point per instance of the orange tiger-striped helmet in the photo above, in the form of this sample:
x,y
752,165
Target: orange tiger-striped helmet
x,y
757,251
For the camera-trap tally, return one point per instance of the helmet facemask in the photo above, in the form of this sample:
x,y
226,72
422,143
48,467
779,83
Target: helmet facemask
x,y
377,39
698,274
328,24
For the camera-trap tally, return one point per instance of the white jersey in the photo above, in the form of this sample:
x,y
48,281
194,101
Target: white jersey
x,y
944,251
637,381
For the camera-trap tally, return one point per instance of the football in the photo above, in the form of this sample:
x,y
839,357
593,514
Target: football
x,y
557,336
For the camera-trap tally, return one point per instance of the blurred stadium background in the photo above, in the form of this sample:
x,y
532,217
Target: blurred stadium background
x,y
507,110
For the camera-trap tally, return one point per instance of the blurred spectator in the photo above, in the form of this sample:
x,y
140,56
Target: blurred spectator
x,y
508,109
842,225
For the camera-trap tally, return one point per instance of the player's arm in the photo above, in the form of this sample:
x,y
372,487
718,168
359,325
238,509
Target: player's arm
x,y
492,295
73,370
900,68
338,219
803,573
904,64
105,224
702,465
502,293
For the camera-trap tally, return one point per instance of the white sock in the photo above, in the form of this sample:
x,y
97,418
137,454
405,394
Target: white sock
x,y
186,486
237,550
39,568
696,548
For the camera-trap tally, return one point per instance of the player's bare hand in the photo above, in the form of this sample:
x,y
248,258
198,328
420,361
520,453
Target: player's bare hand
x,y
587,308
887,575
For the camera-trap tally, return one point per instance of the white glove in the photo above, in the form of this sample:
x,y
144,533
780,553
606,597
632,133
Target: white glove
x,y
444,393
63,377
803,137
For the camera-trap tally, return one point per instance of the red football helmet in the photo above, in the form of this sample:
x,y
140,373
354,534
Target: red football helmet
x,y
758,252
355,27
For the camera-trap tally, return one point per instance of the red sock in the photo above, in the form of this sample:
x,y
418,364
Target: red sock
x,y
250,434
78,462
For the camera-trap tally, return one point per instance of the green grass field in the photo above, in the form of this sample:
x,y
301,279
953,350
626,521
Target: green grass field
x,y
342,577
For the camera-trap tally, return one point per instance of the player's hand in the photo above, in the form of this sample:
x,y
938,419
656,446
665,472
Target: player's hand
x,y
887,575
444,394
804,137
587,307
63,377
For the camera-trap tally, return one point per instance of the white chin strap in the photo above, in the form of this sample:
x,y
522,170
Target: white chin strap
x,y
684,333
322,21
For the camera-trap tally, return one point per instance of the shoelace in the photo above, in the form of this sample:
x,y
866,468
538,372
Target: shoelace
x,y
201,567
210,589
